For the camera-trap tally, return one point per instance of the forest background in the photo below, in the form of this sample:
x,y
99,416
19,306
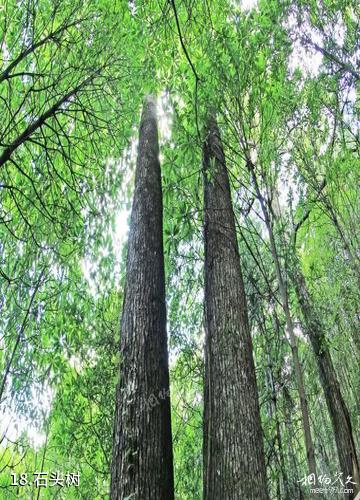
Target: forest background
x,y
283,79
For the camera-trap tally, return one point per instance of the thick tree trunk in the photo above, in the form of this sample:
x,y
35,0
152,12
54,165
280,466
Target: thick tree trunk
x,y
234,466
336,405
142,467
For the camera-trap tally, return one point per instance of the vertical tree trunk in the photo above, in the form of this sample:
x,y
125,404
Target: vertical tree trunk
x,y
234,466
291,439
336,405
274,415
142,467
309,446
352,257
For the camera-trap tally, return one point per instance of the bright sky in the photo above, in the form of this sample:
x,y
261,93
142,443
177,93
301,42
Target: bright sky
x,y
12,425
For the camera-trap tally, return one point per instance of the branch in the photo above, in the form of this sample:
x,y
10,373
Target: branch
x,y
333,58
5,156
307,213
197,79
52,36
21,331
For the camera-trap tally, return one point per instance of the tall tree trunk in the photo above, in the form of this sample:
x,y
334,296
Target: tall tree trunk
x,y
352,256
142,465
336,405
291,439
310,454
274,415
234,466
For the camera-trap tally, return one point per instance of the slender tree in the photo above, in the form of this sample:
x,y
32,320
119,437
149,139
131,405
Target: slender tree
x,y
233,454
284,296
338,411
142,450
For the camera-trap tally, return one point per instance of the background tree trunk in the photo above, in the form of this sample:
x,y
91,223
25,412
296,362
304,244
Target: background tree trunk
x,y
142,465
233,454
309,445
336,405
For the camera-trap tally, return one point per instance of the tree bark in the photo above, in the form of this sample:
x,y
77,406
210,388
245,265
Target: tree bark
x,y
336,405
233,456
142,464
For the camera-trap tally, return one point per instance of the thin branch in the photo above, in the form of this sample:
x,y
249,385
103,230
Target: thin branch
x,y
42,119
